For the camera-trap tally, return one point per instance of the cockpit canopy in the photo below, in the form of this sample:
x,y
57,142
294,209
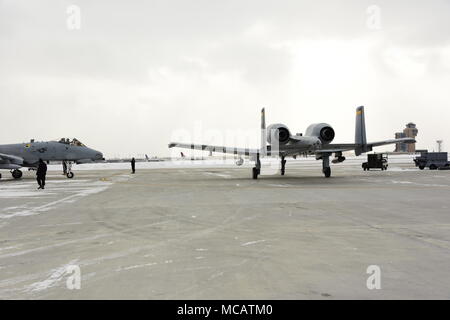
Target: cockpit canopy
x,y
73,142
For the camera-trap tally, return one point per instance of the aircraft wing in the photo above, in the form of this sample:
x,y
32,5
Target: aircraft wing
x,y
230,150
291,149
285,149
330,148
391,141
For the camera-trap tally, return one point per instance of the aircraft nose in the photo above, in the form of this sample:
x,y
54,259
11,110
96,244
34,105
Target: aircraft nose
x,y
97,155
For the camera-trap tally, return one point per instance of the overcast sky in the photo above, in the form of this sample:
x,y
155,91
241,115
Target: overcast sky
x,y
134,75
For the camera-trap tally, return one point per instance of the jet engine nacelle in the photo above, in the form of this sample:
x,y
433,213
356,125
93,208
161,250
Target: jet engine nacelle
x,y
279,132
323,131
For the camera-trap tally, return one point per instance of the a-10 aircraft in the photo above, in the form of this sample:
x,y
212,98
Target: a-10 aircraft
x,y
316,141
15,156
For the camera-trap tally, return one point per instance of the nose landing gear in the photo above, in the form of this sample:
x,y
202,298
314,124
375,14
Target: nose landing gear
x,y
67,169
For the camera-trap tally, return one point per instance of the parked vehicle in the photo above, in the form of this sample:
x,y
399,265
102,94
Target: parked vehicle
x,y
432,160
376,161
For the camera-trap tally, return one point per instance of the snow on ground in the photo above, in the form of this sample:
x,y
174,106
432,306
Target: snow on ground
x,y
57,192
69,190
221,163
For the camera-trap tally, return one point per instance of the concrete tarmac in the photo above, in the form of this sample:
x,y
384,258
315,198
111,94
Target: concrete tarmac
x,y
214,233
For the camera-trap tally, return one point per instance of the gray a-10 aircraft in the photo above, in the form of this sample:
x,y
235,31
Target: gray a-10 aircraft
x,y
15,156
316,141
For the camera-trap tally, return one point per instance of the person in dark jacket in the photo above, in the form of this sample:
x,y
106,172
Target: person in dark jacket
x,y
133,162
41,173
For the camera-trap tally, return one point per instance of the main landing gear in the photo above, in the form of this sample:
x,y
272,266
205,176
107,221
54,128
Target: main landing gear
x,y
257,168
326,169
16,174
283,166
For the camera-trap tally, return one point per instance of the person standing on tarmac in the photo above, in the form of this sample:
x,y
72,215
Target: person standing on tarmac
x,y
133,163
41,173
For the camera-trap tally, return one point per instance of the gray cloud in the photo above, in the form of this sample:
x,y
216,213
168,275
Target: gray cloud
x,y
138,71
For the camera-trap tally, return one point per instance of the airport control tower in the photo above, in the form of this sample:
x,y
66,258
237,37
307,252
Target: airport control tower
x,y
409,132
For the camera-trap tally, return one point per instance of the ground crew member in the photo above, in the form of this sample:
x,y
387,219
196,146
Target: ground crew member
x,y
41,172
133,162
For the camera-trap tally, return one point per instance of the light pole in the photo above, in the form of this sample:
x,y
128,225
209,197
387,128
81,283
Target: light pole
x,y
439,143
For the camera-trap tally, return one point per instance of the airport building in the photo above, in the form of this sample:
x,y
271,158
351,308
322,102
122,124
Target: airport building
x,y
409,132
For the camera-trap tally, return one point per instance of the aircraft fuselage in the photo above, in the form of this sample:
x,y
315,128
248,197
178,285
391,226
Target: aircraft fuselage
x,y
31,152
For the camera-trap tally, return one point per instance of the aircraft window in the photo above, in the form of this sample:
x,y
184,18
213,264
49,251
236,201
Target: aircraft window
x,y
73,142
76,142
64,140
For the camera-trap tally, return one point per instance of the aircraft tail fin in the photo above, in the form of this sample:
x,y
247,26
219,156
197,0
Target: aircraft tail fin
x,y
263,149
360,131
